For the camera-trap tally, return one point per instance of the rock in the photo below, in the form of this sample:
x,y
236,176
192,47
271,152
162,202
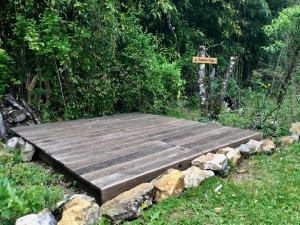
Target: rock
x,y
268,146
295,137
27,152
295,128
251,147
234,156
17,116
169,184
194,176
44,217
225,172
80,210
15,143
215,162
224,150
129,204
287,140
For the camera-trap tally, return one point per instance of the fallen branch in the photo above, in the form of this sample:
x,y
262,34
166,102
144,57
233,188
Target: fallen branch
x,y
3,134
33,115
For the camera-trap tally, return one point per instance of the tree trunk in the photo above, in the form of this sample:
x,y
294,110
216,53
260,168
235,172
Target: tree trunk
x,y
211,90
293,71
201,82
290,72
227,77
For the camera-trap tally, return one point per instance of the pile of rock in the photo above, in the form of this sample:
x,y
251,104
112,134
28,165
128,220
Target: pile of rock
x,y
15,113
172,183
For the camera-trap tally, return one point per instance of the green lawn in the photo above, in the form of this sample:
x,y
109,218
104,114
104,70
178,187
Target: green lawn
x,y
263,190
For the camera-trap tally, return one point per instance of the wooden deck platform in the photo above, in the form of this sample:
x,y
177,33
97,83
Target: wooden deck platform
x,y
109,155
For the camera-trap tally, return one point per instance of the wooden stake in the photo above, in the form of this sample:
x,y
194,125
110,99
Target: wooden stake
x,y
3,133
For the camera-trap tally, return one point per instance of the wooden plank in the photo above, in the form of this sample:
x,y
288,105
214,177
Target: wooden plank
x,y
109,155
90,151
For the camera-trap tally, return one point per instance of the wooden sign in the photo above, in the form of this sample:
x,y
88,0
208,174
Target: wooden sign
x,y
204,60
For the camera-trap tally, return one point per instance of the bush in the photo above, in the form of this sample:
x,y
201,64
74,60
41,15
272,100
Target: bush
x,y
26,188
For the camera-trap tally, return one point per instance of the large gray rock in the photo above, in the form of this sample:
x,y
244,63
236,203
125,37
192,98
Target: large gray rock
x,y
129,204
194,176
251,147
15,143
44,217
80,210
27,152
210,161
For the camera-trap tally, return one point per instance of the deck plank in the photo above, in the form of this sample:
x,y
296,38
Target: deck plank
x,y
114,153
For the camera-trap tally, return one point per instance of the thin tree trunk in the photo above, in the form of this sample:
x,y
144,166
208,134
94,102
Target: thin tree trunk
x,y
290,72
293,71
294,98
227,77
211,90
201,82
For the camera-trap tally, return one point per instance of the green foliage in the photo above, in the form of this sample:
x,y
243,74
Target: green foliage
x,y
26,188
284,31
5,71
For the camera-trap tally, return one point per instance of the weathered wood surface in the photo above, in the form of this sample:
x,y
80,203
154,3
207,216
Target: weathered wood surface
x,y
112,154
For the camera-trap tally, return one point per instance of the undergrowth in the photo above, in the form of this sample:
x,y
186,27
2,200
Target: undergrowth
x,y
26,188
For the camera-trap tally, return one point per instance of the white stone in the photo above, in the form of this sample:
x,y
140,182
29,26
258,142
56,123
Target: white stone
x,y
44,217
295,137
215,162
27,152
234,156
224,150
251,147
15,143
194,176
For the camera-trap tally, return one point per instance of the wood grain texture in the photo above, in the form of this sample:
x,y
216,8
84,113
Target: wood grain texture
x,y
109,155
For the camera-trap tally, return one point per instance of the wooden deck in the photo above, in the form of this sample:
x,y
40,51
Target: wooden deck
x,y
109,155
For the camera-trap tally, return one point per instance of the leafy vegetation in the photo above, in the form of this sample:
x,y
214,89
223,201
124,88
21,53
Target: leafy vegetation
x,y
75,59
26,188
79,59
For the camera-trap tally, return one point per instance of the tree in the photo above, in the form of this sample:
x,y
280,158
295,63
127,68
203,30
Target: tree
x,y
284,34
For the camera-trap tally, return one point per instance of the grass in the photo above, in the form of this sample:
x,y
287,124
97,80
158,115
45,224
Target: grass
x,y
264,190
26,188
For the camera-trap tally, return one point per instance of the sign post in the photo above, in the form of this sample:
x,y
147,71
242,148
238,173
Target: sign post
x,y
202,60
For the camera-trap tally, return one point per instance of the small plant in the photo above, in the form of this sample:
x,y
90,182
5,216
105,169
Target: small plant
x,y
26,188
